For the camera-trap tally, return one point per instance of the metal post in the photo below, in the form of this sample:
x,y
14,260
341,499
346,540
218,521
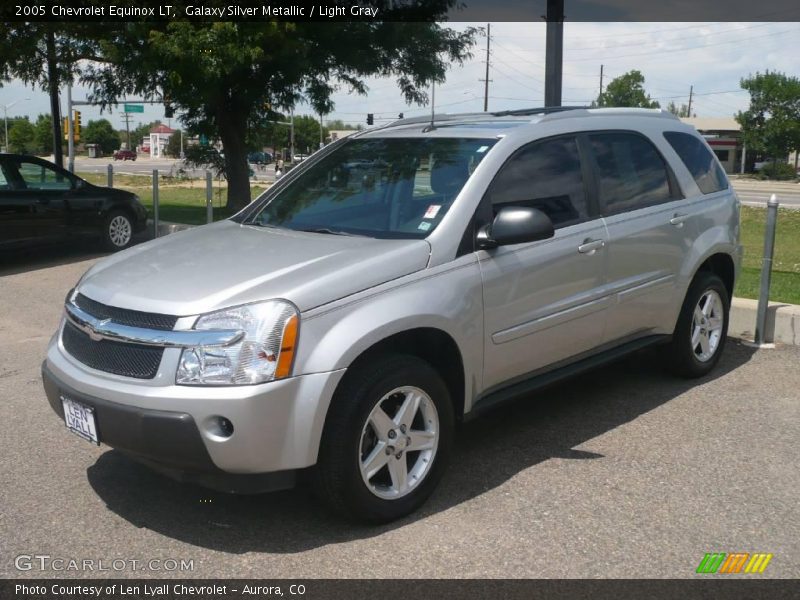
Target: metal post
x,y
209,196
554,52
744,158
5,118
155,202
70,131
291,137
110,175
766,270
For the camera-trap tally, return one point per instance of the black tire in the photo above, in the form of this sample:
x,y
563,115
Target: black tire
x,y
680,355
337,476
111,242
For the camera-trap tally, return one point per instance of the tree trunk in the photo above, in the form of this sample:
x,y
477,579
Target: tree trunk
x,y
232,132
55,105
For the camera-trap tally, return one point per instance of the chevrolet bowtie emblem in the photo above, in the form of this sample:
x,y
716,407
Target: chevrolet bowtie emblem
x,y
93,335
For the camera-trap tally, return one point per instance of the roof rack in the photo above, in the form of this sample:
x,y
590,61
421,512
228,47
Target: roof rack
x,y
550,112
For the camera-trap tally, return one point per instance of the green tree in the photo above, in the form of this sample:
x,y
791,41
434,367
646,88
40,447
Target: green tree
x,y
101,132
173,148
21,136
771,124
306,134
678,111
47,54
339,125
43,134
627,90
222,77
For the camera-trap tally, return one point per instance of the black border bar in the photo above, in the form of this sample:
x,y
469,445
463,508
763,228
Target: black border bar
x,y
729,588
332,11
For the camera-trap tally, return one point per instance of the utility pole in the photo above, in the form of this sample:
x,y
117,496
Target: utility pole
x,y
291,136
689,110
487,80
127,117
55,107
601,82
70,131
321,141
554,57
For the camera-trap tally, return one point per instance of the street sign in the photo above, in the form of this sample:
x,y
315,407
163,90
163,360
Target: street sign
x,y
134,108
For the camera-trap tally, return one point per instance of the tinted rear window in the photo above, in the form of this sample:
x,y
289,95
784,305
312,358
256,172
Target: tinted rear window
x,y
631,172
706,171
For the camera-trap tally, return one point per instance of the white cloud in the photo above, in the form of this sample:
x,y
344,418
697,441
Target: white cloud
x,y
712,57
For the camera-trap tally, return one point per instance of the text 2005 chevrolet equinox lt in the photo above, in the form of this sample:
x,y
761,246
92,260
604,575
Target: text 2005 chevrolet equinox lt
x,y
401,279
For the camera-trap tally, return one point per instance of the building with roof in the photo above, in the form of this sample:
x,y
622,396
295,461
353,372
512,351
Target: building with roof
x,y
724,135
159,137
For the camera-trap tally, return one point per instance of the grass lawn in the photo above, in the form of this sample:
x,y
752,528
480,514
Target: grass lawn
x,y
785,283
179,201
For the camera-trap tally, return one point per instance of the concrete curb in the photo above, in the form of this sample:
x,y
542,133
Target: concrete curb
x,y
783,321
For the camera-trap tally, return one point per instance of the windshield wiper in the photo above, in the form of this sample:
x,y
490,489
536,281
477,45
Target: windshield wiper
x,y
329,231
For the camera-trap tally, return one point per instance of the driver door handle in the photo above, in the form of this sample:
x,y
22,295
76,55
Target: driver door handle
x,y
678,219
589,246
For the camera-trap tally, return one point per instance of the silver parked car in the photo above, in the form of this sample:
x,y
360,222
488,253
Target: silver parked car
x,y
400,280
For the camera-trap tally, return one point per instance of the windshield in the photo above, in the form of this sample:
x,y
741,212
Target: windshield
x,y
382,188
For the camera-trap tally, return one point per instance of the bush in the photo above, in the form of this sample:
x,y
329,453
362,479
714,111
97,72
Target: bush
x,y
779,170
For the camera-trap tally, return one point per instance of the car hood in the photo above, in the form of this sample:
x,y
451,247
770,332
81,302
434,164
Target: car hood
x,y
226,264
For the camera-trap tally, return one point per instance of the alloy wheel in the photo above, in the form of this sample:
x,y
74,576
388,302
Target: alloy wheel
x,y
119,231
707,323
399,442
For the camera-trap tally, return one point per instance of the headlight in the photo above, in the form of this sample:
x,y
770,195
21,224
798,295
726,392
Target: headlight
x,y
266,351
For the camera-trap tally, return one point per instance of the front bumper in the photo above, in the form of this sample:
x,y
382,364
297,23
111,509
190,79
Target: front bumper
x,y
277,425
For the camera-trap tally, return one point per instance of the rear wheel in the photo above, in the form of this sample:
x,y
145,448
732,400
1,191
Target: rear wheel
x,y
117,231
387,440
702,328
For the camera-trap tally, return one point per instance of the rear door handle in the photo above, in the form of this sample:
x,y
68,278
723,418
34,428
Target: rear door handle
x,y
589,246
678,219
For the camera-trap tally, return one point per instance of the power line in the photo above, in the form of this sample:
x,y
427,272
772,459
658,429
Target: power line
x,y
667,52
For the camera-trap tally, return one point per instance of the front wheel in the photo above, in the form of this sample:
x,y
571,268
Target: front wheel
x,y
117,231
386,441
702,328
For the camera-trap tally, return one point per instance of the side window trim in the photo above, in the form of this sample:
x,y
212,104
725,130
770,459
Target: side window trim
x,y
711,154
591,215
675,191
483,212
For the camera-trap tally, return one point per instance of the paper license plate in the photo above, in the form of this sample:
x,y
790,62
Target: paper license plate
x,y
80,419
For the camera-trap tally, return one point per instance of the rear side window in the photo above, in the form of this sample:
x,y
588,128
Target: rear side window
x,y
545,175
41,177
706,171
631,172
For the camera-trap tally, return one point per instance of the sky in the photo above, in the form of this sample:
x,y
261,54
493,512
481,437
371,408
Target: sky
x,y
711,57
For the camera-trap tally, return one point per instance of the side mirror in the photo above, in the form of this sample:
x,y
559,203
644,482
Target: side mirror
x,y
515,225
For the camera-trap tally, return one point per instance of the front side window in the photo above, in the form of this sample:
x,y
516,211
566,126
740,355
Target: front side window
x,y
545,175
40,177
379,187
631,172
700,162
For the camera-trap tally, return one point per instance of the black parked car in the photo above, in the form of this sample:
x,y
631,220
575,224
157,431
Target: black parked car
x,y
40,202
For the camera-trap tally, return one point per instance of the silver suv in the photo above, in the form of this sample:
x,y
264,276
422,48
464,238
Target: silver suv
x,y
400,280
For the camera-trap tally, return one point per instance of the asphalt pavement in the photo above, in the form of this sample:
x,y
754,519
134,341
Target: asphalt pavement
x,y
624,472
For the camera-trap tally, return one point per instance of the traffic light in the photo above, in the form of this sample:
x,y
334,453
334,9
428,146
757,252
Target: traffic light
x,y
169,110
370,119
65,128
400,116
76,124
